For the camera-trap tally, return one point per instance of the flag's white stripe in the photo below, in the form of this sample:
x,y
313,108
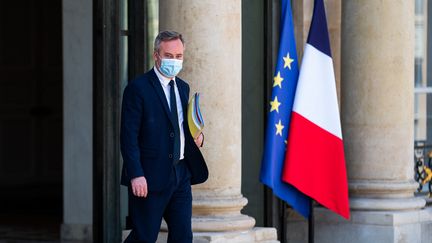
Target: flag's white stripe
x,y
316,97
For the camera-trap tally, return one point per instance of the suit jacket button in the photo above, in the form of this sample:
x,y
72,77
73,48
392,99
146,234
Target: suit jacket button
x,y
170,156
172,134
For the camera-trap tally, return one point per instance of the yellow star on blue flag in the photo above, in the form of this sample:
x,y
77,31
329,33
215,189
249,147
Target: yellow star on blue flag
x,y
277,80
279,128
275,105
287,61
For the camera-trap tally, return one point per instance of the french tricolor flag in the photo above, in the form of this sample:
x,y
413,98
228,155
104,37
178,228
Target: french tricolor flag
x,y
315,161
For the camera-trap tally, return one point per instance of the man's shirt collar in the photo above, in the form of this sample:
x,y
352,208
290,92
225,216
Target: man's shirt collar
x,y
164,80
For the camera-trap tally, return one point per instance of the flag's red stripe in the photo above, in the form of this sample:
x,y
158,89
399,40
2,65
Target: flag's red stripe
x,y
315,164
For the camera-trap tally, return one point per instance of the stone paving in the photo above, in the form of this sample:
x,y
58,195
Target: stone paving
x,y
29,228
21,234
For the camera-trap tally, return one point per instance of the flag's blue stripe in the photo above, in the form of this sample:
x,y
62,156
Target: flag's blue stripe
x,y
274,151
318,32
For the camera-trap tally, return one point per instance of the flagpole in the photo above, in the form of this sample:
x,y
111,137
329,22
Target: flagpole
x,y
311,228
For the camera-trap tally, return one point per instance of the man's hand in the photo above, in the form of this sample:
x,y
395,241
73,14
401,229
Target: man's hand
x,y
199,140
139,186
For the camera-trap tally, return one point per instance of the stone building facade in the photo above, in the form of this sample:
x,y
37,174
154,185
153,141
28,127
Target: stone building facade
x,y
231,47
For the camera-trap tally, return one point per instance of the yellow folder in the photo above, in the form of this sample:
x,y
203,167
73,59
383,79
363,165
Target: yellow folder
x,y
194,117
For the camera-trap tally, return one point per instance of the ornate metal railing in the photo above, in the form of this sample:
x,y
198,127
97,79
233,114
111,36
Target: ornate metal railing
x,y
423,166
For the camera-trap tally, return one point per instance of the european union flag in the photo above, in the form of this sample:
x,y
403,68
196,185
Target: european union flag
x,y
284,87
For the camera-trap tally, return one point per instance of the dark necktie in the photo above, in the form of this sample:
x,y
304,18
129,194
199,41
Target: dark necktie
x,y
174,114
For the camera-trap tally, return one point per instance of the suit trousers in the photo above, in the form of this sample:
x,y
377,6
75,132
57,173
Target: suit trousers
x,y
174,204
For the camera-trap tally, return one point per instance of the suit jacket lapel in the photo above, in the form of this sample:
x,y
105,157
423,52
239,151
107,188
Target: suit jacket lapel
x,y
158,88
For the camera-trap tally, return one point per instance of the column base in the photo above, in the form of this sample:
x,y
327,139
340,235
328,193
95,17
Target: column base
x,y
366,226
375,226
222,223
255,235
77,232
391,204
219,213
219,223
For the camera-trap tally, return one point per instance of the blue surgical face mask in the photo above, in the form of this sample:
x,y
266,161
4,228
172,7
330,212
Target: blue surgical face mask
x,y
170,67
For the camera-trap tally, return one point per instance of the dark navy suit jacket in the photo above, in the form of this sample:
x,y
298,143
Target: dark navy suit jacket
x,y
147,134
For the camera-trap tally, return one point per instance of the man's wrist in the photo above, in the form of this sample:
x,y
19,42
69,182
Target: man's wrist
x,y
135,178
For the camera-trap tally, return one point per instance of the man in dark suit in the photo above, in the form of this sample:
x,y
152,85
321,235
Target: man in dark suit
x,y
161,159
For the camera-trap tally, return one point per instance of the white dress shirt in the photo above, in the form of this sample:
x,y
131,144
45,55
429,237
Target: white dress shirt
x,y
166,88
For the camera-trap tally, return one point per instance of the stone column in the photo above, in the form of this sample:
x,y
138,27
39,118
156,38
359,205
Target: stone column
x,y
77,120
377,121
377,103
212,31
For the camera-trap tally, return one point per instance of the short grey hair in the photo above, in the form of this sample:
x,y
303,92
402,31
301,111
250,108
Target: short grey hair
x,y
167,35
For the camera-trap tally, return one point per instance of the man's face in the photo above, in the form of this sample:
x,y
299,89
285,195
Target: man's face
x,y
172,49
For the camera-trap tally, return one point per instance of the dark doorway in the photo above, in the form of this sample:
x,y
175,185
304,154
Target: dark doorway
x,y
31,123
